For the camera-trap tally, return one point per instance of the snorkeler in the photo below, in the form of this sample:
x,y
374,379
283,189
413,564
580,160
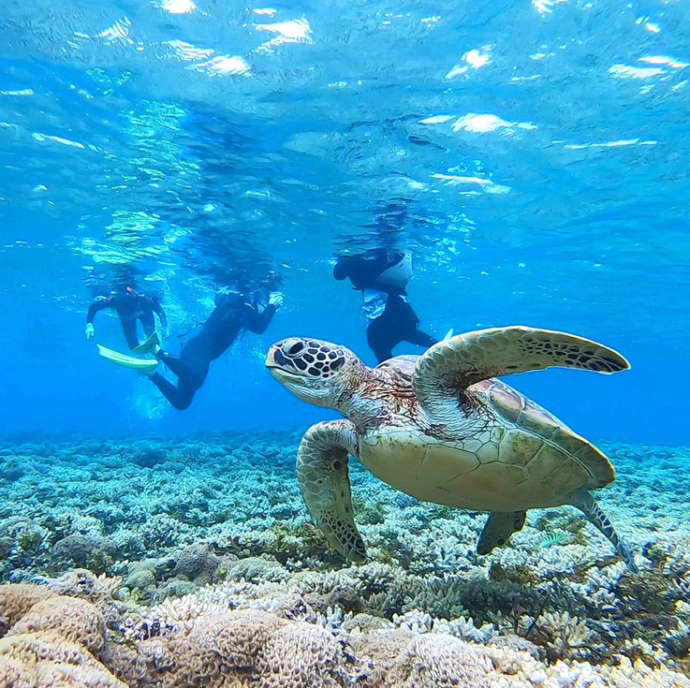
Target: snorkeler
x,y
382,275
231,314
378,268
392,321
130,306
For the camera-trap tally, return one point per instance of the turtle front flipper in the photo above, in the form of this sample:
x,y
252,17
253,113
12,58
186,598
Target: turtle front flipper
x,y
584,501
498,529
323,479
449,367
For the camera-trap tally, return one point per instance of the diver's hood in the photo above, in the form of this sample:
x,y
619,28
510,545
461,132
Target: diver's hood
x,y
396,276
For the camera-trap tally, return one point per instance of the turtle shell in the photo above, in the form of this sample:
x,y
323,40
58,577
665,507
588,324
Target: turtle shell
x,y
514,455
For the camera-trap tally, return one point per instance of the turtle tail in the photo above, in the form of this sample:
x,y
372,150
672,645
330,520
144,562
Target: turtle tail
x,y
584,501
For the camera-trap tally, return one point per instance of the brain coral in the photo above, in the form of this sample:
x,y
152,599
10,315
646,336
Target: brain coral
x,y
49,645
438,660
240,648
47,660
15,600
300,655
76,620
213,651
83,583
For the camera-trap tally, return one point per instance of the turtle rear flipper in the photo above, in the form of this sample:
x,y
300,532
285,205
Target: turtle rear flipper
x,y
449,367
498,528
584,501
325,485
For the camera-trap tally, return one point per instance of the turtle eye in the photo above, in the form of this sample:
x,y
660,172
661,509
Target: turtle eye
x,y
295,348
282,361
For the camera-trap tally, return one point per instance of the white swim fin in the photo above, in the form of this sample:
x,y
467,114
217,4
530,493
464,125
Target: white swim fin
x,y
146,366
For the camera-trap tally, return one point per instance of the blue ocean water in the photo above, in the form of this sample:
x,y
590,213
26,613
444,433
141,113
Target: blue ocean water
x,y
533,157
538,153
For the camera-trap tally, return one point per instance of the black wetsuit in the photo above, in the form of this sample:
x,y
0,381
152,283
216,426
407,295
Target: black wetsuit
x,y
398,322
130,307
217,334
363,270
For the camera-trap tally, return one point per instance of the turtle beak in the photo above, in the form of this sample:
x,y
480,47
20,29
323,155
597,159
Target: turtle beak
x,y
280,366
271,357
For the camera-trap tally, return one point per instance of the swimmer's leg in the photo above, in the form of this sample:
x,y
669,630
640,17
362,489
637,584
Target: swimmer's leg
x,y
129,327
175,363
420,338
180,397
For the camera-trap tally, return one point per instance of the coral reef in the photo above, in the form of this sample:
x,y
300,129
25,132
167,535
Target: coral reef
x,y
47,660
250,648
190,550
51,640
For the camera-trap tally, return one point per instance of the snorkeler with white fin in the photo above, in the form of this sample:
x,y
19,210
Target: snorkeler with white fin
x,y
131,306
382,276
233,313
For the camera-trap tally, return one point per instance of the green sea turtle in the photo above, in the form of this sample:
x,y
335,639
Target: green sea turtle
x,y
441,428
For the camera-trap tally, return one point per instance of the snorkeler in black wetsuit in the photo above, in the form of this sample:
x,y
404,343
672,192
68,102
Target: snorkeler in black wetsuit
x,y
130,306
382,275
398,323
231,314
367,269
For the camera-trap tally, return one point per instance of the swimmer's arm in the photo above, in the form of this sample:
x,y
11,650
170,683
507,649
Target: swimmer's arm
x,y
258,322
99,304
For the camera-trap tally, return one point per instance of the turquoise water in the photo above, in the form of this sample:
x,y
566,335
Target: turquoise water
x,y
533,160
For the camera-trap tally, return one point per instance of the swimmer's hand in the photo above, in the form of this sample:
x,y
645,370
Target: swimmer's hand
x,y
90,331
275,298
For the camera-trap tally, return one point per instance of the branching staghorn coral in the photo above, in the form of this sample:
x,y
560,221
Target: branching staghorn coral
x,y
561,634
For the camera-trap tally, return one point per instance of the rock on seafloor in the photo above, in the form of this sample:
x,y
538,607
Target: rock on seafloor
x,y
156,558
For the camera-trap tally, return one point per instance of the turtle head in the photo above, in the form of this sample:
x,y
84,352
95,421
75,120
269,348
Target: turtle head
x,y
315,371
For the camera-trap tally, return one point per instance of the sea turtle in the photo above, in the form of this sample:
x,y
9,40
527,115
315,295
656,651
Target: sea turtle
x,y
442,428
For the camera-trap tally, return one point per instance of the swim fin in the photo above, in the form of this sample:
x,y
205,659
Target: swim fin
x,y
447,335
149,345
141,365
